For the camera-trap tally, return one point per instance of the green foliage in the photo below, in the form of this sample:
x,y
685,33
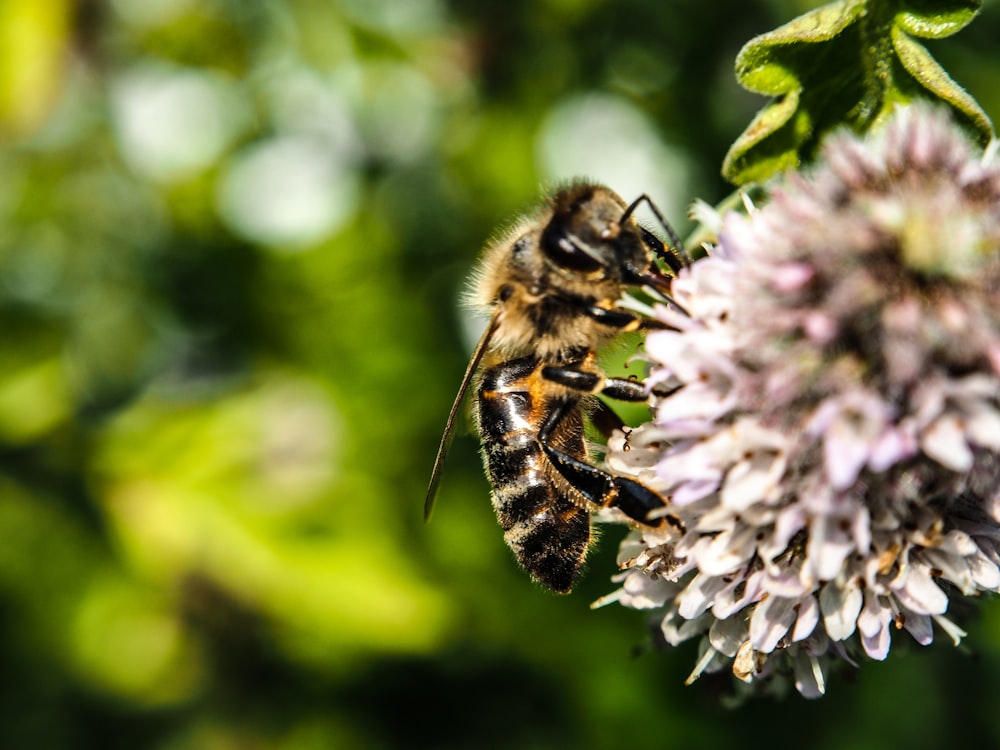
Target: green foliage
x,y
846,63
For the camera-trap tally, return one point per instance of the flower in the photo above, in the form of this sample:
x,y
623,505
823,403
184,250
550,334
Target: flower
x,y
827,413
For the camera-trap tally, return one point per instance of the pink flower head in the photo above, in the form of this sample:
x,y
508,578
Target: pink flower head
x,y
832,442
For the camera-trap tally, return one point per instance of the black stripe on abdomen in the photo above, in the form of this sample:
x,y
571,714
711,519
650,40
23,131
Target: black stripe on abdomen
x,y
552,544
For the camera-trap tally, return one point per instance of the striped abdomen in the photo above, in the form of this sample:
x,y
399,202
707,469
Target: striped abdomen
x,y
547,531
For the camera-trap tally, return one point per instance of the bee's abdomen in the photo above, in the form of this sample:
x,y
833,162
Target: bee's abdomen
x,y
548,533
550,543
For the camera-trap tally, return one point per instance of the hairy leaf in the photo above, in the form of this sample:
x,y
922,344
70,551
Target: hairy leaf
x,y
846,63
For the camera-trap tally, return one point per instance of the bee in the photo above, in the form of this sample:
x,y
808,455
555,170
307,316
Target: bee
x,y
552,286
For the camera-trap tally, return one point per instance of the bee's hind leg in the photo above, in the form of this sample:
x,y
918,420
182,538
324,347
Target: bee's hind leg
x,y
596,486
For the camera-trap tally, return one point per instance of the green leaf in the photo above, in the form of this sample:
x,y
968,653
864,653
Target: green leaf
x,y
936,20
926,72
847,63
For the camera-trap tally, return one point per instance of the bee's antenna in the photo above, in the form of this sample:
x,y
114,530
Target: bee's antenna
x,y
675,242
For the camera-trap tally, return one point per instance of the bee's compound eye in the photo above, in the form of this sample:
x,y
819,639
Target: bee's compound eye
x,y
505,292
565,251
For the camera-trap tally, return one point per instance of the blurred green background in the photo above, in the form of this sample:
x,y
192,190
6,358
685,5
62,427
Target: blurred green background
x,y
234,234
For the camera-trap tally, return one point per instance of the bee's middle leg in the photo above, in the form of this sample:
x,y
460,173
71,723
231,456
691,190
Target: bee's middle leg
x,y
587,381
604,417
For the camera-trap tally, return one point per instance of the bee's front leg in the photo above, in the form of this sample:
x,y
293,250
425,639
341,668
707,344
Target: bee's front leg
x,y
622,320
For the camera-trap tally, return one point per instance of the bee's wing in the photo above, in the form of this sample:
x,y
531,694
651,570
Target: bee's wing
x,y
449,428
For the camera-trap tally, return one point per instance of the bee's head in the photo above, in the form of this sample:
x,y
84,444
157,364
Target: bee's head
x,y
584,246
543,277
590,237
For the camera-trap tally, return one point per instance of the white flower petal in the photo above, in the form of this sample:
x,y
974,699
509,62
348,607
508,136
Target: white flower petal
x,y
952,568
985,573
786,582
694,401
790,520
840,606
697,463
860,419
820,327
894,445
944,441
809,679
807,619
715,518
737,595
770,622
957,542
917,591
928,402
983,428
642,592
726,636
676,629
827,548
873,625
920,627
689,493
791,277
698,595
753,480
726,552
843,456
824,416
